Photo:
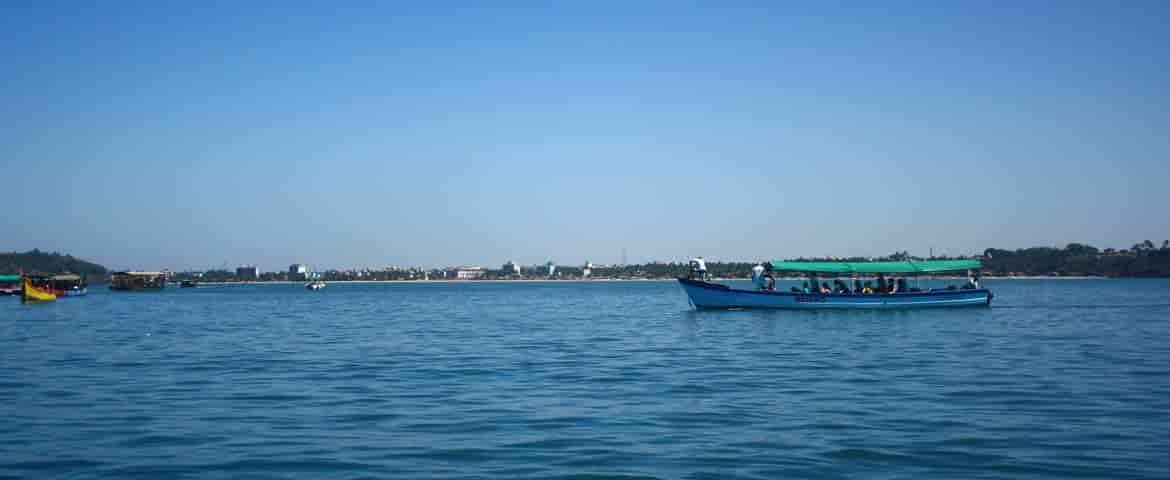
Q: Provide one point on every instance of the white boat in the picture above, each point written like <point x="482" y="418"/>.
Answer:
<point x="315" y="285"/>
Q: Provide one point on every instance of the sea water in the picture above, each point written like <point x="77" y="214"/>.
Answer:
<point x="1058" y="379"/>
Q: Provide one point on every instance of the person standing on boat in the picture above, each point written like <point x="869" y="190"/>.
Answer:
<point x="699" y="268"/>
<point x="758" y="277"/>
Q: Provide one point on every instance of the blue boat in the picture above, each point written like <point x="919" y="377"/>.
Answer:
<point x="856" y="293"/>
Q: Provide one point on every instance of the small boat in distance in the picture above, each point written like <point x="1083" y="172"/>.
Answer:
<point x="138" y="281"/>
<point x="62" y="285"/>
<point x="188" y="284"/>
<point x="857" y="291"/>
<point x="315" y="285"/>
<point x="10" y="284"/>
<point x="33" y="293"/>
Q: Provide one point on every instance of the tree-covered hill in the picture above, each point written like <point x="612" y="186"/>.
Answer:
<point x="1142" y="260"/>
<point x="36" y="261"/>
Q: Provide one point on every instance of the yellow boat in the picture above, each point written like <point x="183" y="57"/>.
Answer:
<point x="34" y="294"/>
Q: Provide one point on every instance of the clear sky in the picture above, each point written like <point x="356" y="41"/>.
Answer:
<point x="205" y="134"/>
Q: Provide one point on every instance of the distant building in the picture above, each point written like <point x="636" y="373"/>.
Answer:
<point x="248" y="272"/>
<point x="298" y="271"/>
<point x="510" y="268"/>
<point x="588" y="270"/>
<point x="469" y="273"/>
<point x="552" y="268"/>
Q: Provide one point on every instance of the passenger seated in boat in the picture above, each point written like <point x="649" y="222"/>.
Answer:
<point x="868" y="290"/>
<point x="825" y="288"/>
<point x="902" y="285"/>
<point x="856" y="285"/>
<point x="893" y="286"/>
<point x="972" y="282"/>
<point x="804" y="288"/>
<point x="881" y="283"/>
<point x="840" y="287"/>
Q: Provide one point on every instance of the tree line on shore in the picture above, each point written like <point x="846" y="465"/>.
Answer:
<point x="1144" y="259"/>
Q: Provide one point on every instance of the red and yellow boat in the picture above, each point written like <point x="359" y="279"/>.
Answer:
<point x="32" y="293"/>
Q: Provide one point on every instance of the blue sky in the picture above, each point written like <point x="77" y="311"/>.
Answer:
<point x="202" y="134"/>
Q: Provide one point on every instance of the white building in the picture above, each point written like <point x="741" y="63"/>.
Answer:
<point x="588" y="270"/>
<point x="469" y="273"/>
<point x="552" y="268"/>
<point x="510" y="268"/>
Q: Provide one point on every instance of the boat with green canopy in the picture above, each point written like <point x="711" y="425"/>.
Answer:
<point x="843" y="285"/>
<point x="10" y="284"/>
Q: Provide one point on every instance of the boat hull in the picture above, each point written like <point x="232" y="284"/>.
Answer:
<point x="34" y="294"/>
<point x="706" y="295"/>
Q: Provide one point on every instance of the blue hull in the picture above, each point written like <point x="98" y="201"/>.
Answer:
<point x="713" y="295"/>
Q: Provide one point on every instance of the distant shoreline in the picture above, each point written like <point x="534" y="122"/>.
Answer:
<point x="449" y="280"/>
<point x="594" y="280"/>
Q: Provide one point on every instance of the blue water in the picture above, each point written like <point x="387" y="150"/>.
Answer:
<point x="1058" y="379"/>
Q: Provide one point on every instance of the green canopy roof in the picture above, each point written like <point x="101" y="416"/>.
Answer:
<point x="9" y="278"/>
<point x="909" y="266"/>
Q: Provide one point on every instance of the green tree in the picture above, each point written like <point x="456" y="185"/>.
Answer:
<point x="1080" y="249"/>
